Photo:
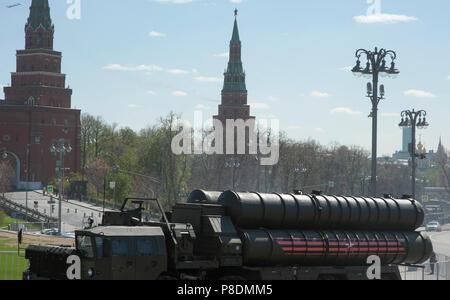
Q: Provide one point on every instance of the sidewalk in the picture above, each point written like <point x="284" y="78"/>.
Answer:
<point x="79" y="203"/>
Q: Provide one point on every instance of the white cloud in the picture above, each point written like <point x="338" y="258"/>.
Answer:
<point x="390" y="115"/>
<point x="133" y="106"/>
<point x="419" y="94"/>
<point x="118" y="67"/>
<point x="320" y="130"/>
<point x="257" y="105"/>
<point x="225" y="54"/>
<point x="202" y="107"/>
<point x="175" y="1"/>
<point x="156" y="34"/>
<point x="448" y="77"/>
<point x="319" y="94"/>
<point x="178" y="72"/>
<point x="179" y="94"/>
<point x="273" y="99"/>
<point x="384" y="19"/>
<point x="344" y="110"/>
<point x="236" y="1"/>
<point x="208" y="79"/>
<point x="151" y="93"/>
<point x="348" y="68"/>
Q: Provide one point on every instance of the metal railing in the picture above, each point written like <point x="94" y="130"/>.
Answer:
<point x="12" y="265"/>
<point x="33" y="227"/>
<point x="32" y="213"/>
<point x="439" y="270"/>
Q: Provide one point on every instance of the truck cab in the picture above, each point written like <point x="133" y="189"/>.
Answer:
<point x="122" y="253"/>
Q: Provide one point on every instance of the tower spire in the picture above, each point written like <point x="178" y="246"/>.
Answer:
<point x="39" y="15"/>
<point x="235" y="38"/>
<point x="234" y="93"/>
<point x="39" y="28"/>
<point x="235" y="76"/>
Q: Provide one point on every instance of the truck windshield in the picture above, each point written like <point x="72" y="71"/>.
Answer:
<point x="145" y="247"/>
<point x="84" y="245"/>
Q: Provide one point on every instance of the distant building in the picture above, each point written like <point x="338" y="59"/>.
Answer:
<point x="234" y="93"/>
<point x="36" y="112"/>
<point x="234" y="105"/>
<point x="404" y="156"/>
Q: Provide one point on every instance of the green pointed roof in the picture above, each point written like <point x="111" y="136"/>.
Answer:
<point x="235" y="38"/>
<point x="235" y="75"/>
<point x="39" y="15"/>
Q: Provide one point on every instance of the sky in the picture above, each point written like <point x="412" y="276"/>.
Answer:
<point x="132" y="62"/>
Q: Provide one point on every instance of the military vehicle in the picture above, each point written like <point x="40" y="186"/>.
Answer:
<point x="245" y="236"/>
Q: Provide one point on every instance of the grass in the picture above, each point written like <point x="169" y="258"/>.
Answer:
<point x="11" y="265"/>
<point x="6" y="220"/>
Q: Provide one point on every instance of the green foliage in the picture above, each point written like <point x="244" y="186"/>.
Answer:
<point x="148" y="152"/>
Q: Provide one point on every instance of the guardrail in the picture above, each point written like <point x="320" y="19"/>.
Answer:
<point x="12" y="265"/>
<point x="439" y="270"/>
<point x="32" y="213"/>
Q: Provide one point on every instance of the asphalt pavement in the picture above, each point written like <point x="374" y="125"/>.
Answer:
<point x="74" y="213"/>
<point x="441" y="242"/>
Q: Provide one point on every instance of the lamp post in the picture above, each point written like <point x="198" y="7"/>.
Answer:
<point x="414" y="119"/>
<point x="233" y="164"/>
<point x="375" y="66"/>
<point x="300" y="170"/>
<point x="27" y="171"/>
<point x="62" y="150"/>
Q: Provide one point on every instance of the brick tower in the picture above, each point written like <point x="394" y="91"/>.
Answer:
<point x="234" y="94"/>
<point x="38" y="79"/>
<point x="36" y="112"/>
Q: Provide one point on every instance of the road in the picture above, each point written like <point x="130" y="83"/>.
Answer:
<point x="441" y="242"/>
<point x="73" y="212"/>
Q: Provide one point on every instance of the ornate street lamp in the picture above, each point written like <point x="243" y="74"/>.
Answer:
<point x="375" y="66"/>
<point x="62" y="150"/>
<point x="414" y="119"/>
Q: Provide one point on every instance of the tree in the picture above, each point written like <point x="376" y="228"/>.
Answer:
<point x="96" y="172"/>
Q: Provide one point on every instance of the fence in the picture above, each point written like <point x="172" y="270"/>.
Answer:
<point x="12" y="265"/>
<point x="428" y="271"/>
<point x="32" y="214"/>
<point x="30" y="226"/>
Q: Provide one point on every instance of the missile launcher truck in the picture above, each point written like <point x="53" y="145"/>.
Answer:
<point x="245" y="236"/>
